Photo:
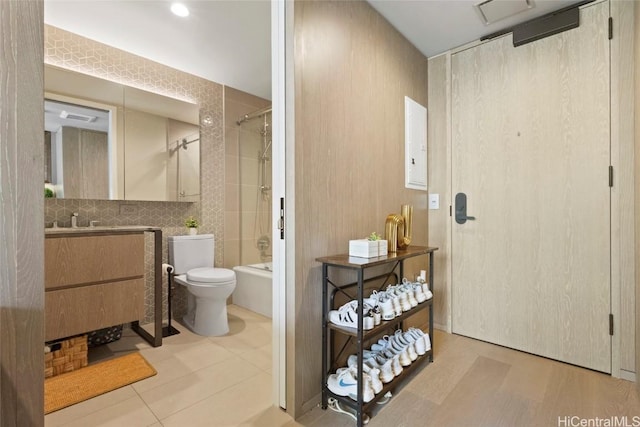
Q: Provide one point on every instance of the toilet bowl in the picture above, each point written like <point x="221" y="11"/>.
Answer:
<point x="208" y="290"/>
<point x="207" y="287"/>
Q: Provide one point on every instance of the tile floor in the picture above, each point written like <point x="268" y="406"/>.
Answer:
<point x="216" y="381"/>
<point x="226" y="381"/>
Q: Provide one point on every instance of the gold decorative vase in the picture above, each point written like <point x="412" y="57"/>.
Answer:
<point x="397" y="229"/>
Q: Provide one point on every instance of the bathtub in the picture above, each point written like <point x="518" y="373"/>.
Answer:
<point x="254" y="287"/>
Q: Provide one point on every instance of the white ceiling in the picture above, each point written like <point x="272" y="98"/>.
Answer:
<point x="229" y="41"/>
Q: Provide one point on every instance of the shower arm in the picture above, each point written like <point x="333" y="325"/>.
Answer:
<point x="253" y="115"/>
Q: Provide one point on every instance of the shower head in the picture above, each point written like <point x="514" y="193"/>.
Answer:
<point x="184" y="143"/>
<point x="242" y="119"/>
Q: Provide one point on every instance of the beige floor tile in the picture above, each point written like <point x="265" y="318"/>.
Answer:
<point x="243" y="337"/>
<point x="82" y="409"/>
<point x="259" y="357"/>
<point x="185" y="391"/>
<point x="247" y="314"/>
<point x="185" y="337"/>
<point x="272" y="417"/>
<point x="202" y="355"/>
<point x="229" y="407"/>
<point x="168" y="370"/>
<point x="131" y="413"/>
<point x="157" y="354"/>
<point x="317" y="417"/>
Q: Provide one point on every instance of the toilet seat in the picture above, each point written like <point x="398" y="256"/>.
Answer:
<point x="211" y="276"/>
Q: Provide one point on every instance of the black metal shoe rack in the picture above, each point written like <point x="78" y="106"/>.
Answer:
<point x="394" y="264"/>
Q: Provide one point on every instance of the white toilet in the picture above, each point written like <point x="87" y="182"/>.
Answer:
<point x="208" y="287"/>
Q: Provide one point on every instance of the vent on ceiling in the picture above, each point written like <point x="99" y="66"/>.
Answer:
<point x="77" y="116"/>
<point x="491" y="11"/>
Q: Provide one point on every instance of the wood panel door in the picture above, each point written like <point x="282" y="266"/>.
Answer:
<point x="531" y="150"/>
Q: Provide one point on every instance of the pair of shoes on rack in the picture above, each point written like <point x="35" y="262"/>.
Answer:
<point x="345" y="383"/>
<point x="418" y="289"/>
<point x="421" y="341"/>
<point x="408" y="345"/>
<point x="334" y="405"/>
<point x="386" y="304"/>
<point x="347" y="315"/>
<point x="386" y="362"/>
<point x="425" y="288"/>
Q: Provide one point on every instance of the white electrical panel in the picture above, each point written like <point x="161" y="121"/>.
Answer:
<point x="415" y="145"/>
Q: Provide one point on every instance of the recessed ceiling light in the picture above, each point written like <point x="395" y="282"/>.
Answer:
<point x="179" y="9"/>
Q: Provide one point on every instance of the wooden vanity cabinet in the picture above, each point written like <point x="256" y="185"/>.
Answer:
<point x="92" y="281"/>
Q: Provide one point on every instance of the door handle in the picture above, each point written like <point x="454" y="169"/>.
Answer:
<point x="461" y="209"/>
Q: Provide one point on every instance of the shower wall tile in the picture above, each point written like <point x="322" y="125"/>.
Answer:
<point x="243" y="144"/>
<point x="249" y="170"/>
<point x="74" y="52"/>
<point x="232" y="253"/>
<point x="232" y="199"/>
<point x="231" y="140"/>
<point x="231" y="169"/>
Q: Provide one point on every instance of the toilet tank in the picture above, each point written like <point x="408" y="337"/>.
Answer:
<point x="187" y="252"/>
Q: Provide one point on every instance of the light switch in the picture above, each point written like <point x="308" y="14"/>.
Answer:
<point x="434" y="201"/>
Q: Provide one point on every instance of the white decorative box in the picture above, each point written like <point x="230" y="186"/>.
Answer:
<point x="364" y="248"/>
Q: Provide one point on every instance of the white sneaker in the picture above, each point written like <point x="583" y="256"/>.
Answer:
<point x="396" y="366"/>
<point x="421" y="336"/>
<point x="401" y="296"/>
<point x="427" y="342"/>
<point x="348" y="316"/>
<point x="418" y="341"/>
<point x="400" y="341"/>
<point x="408" y="289"/>
<point x="387" y="308"/>
<point x="374" y="303"/>
<point x="426" y="291"/>
<point x="417" y="290"/>
<point x="374" y="374"/>
<point x="385" y="372"/>
<point x="387" y="348"/>
<point x="345" y="384"/>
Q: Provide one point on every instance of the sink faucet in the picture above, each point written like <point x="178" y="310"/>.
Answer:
<point x="93" y="223"/>
<point x="74" y="220"/>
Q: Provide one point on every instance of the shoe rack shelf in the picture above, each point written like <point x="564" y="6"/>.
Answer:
<point x="384" y="325"/>
<point x="393" y="263"/>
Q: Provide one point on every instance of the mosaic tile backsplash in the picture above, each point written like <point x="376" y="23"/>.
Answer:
<point x="71" y="51"/>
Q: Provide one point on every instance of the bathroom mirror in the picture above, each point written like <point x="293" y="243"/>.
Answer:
<point x="104" y="140"/>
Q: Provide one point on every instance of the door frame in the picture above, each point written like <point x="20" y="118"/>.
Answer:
<point x="279" y="305"/>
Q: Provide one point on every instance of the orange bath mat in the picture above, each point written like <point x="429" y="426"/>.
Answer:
<point x="77" y="386"/>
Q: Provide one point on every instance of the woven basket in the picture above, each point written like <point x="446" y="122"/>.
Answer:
<point x="67" y="356"/>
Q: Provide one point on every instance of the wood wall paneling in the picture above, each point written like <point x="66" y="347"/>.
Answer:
<point x="352" y="72"/>
<point x="95" y="164"/>
<point x="440" y="183"/>
<point x="21" y="210"/>
<point x="636" y="91"/>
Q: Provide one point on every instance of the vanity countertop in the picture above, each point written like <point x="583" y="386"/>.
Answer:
<point x="102" y="229"/>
